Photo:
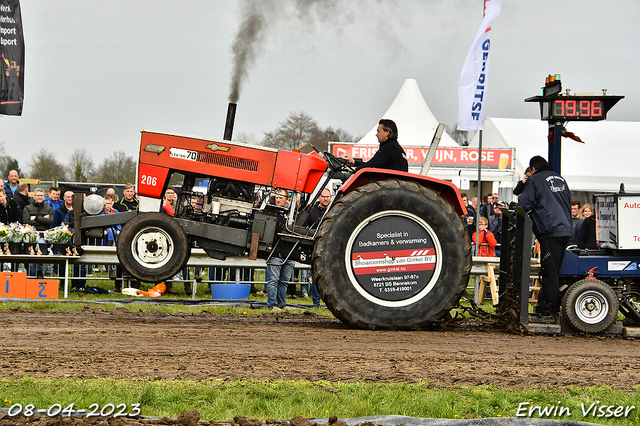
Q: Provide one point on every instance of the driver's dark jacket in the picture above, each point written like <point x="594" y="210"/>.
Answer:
<point x="547" y="199"/>
<point x="390" y="155"/>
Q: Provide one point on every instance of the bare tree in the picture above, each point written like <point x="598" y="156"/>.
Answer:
<point x="298" y="130"/>
<point x="118" y="168"/>
<point x="44" y="166"/>
<point x="80" y="167"/>
<point x="339" y="135"/>
<point x="249" y="138"/>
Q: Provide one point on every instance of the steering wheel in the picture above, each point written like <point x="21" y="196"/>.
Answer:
<point x="338" y="163"/>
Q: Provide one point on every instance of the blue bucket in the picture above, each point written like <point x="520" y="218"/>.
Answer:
<point x="230" y="291"/>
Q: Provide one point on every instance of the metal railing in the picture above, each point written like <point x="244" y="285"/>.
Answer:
<point x="104" y="258"/>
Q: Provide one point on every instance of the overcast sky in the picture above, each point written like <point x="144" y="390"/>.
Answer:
<point x="97" y="72"/>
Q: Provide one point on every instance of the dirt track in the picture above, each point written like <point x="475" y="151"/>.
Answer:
<point x="96" y="343"/>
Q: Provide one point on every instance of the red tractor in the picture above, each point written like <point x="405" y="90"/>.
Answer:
<point x="390" y="253"/>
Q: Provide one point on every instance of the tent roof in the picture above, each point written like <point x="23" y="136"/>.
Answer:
<point x="416" y="123"/>
<point x="608" y="156"/>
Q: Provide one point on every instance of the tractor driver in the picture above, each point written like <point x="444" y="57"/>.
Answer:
<point x="390" y="155"/>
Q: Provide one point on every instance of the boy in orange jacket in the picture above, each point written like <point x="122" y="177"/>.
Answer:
<point x="487" y="240"/>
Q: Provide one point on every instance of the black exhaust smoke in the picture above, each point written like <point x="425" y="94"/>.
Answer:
<point x="231" y="118"/>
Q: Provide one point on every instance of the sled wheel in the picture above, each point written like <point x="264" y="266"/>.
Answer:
<point x="153" y="247"/>
<point x="590" y="306"/>
<point x="391" y="254"/>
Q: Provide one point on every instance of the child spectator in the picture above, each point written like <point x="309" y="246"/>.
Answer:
<point x="110" y="232"/>
<point x="487" y="240"/>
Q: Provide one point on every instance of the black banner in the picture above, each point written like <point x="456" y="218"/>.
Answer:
<point x="11" y="58"/>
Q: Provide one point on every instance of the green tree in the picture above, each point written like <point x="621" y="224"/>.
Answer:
<point x="11" y="164"/>
<point x="118" y="168"/>
<point x="44" y="166"/>
<point x="80" y="167"/>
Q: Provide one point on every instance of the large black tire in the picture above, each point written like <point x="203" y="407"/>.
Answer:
<point x="590" y="306"/>
<point x="392" y="255"/>
<point x="153" y="247"/>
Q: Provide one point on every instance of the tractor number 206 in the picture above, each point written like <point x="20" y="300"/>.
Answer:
<point x="148" y="180"/>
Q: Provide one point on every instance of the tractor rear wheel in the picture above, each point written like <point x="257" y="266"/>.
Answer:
<point x="590" y="306"/>
<point x="153" y="247"/>
<point x="391" y="254"/>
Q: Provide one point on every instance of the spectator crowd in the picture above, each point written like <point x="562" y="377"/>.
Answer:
<point x="52" y="210"/>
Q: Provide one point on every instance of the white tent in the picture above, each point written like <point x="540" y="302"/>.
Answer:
<point x="416" y="123"/>
<point x="607" y="158"/>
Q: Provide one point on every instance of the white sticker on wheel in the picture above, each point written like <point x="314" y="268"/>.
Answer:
<point x="393" y="257"/>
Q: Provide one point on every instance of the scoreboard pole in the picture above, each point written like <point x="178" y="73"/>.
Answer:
<point x="555" y="146"/>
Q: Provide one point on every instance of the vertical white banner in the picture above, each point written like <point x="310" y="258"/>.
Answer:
<point x="472" y="89"/>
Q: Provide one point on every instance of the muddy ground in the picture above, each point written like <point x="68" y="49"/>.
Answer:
<point x="95" y="342"/>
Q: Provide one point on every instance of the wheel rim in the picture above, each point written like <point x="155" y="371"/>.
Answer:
<point x="152" y="247"/>
<point x="397" y="273"/>
<point x="591" y="307"/>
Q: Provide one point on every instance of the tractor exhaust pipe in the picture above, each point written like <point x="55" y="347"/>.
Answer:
<point x="231" y="118"/>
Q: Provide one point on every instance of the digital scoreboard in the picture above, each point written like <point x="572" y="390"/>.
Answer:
<point x="554" y="106"/>
<point x="574" y="108"/>
<point x="557" y="108"/>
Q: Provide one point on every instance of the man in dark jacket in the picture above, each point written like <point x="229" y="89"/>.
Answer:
<point x="313" y="221"/>
<point x="9" y="210"/>
<point x="495" y="224"/>
<point x="520" y="186"/>
<point x="60" y="213"/>
<point x="21" y="195"/>
<point x="390" y="155"/>
<point x="547" y="199"/>
<point x="318" y="210"/>
<point x="38" y="214"/>
<point x="128" y="202"/>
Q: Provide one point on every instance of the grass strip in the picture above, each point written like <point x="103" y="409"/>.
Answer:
<point x="150" y="307"/>
<point x="222" y="400"/>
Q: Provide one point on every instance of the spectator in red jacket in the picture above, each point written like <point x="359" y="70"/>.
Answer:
<point x="487" y="240"/>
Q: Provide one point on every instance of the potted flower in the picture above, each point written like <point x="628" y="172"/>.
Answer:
<point x="14" y="238"/>
<point x="60" y="237"/>
<point x="29" y="239"/>
<point x="4" y="234"/>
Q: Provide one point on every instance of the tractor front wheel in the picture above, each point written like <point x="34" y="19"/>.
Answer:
<point x="153" y="247"/>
